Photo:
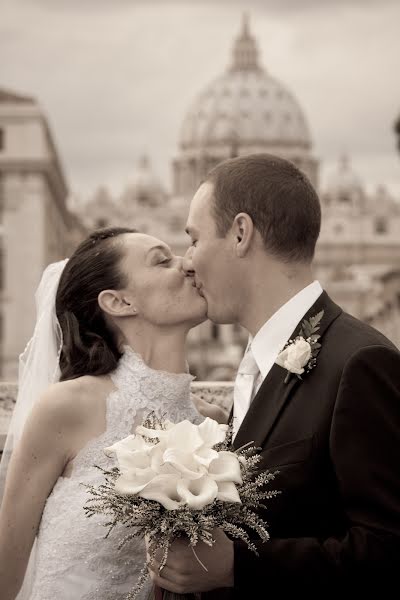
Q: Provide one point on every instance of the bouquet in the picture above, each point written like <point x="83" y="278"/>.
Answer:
<point x="182" y="479"/>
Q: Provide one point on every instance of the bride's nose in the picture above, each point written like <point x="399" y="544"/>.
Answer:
<point x="187" y="264"/>
<point x="179" y="263"/>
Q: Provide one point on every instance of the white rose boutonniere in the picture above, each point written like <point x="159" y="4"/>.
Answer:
<point x="300" y="354"/>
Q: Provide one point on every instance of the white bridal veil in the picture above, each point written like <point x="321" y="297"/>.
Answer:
<point x="38" y="368"/>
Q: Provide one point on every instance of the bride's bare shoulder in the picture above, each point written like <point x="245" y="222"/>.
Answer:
<point x="75" y="399"/>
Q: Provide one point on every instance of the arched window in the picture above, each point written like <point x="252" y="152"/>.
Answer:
<point x="381" y="225"/>
<point x="338" y="228"/>
<point x="1" y="199"/>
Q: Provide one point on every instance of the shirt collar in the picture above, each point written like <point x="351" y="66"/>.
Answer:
<point x="274" y="334"/>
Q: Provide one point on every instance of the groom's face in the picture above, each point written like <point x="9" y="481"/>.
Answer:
<point x="211" y="259"/>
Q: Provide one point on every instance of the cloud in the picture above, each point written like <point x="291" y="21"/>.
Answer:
<point x="116" y="79"/>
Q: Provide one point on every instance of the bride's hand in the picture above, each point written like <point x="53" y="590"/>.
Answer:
<point x="213" y="411"/>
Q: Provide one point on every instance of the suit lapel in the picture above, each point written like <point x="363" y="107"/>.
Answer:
<point x="274" y="393"/>
<point x="265" y="408"/>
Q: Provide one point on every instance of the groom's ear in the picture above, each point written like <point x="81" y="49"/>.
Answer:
<point x="116" y="304"/>
<point x="243" y="231"/>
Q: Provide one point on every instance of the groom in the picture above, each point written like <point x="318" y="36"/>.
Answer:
<point x="332" y="433"/>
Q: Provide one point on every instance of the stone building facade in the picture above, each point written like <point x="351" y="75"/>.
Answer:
<point x="358" y="253"/>
<point x="36" y="226"/>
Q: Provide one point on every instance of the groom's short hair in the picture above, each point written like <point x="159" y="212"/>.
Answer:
<point x="278" y="197"/>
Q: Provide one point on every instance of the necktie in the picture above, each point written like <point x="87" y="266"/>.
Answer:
<point x="243" y="389"/>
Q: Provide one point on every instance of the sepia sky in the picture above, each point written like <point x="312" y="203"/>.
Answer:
<point x="115" y="78"/>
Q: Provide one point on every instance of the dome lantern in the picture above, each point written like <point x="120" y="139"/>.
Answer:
<point x="245" y="51"/>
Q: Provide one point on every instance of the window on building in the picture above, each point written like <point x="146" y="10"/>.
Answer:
<point x="2" y="259"/>
<point x="214" y="331"/>
<point x="1" y="350"/>
<point x="144" y="197"/>
<point x="1" y="199"/>
<point x="381" y="225"/>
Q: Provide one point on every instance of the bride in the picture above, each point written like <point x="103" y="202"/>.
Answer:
<point x="111" y="331"/>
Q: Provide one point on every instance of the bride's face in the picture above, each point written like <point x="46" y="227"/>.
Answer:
<point x="161" y="292"/>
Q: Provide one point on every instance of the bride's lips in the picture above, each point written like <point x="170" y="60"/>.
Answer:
<point x="198" y="288"/>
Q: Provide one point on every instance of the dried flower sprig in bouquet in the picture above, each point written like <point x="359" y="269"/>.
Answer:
<point x="182" y="479"/>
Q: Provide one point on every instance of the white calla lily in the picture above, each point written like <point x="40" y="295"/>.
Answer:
<point x="150" y="433"/>
<point x="185" y="436"/>
<point x="131" y="452"/>
<point x="228" y="492"/>
<point x="133" y="482"/>
<point x="212" y="432"/>
<point x="131" y="443"/>
<point x="128" y="461"/>
<point x="225" y="468"/>
<point x="163" y="489"/>
<point x="205" y="455"/>
<point x="197" y="493"/>
<point x="158" y="463"/>
<point x="183" y="462"/>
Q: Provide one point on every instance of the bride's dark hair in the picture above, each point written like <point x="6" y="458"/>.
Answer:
<point x="89" y="345"/>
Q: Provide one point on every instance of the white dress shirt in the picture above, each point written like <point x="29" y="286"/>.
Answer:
<point x="274" y="334"/>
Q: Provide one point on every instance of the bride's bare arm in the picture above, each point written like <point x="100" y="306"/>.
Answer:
<point x="37" y="462"/>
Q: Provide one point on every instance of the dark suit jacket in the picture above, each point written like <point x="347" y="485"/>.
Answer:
<point x="334" y="437"/>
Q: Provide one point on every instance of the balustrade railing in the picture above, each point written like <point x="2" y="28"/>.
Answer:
<point x="218" y="392"/>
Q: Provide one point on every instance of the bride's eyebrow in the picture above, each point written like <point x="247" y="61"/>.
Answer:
<point x="164" y="249"/>
<point x="159" y="247"/>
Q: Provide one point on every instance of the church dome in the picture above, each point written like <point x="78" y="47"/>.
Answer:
<point x="245" y="105"/>
<point x="144" y="186"/>
<point x="344" y="182"/>
<point x="144" y="179"/>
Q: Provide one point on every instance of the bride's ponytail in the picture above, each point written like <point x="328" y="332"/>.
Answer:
<point x="89" y="345"/>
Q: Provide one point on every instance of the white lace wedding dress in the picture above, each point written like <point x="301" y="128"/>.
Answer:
<point x="74" y="561"/>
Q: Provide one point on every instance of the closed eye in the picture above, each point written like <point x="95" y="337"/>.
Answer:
<point x="165" y="262"/>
